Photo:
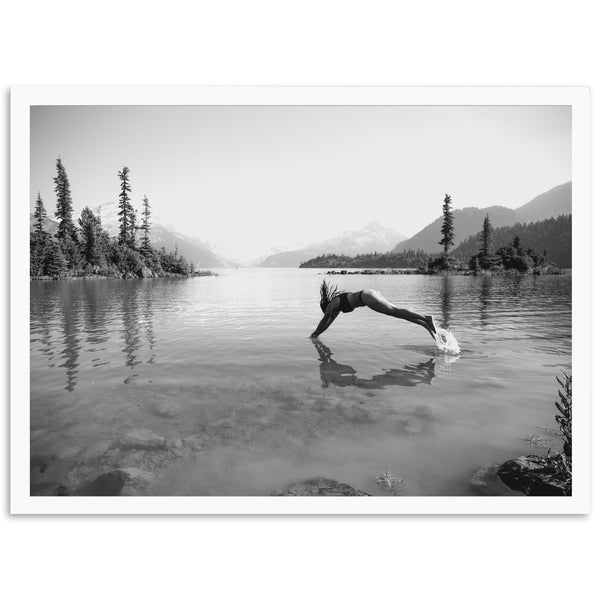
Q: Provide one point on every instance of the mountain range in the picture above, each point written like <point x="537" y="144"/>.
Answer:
<point x="374" y="237"/>
<point x="469" y="221"/>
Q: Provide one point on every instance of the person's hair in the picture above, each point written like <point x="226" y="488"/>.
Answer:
<point x="328" y="293"/>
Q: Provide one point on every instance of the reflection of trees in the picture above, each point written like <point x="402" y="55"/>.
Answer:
<point x="70" y="336"/>
<point x="339" y="375"/>
<point x="95" y="312"/>
<point x="484" y="299"/>
<point x="131" y="327"/>
<point x="447" y="301"/>
<point x="148" y="316"/>
<point x="43" y="306"/>
<point x="514" y="285"/>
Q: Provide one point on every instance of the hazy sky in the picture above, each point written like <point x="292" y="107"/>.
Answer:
<point x="281" y="174"/>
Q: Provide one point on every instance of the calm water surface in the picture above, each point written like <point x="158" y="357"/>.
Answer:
<point x="221" y="369"/>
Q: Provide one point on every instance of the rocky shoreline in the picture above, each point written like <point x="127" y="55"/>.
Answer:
<point x="145" y="275"/>
<point x="463" y="273"/>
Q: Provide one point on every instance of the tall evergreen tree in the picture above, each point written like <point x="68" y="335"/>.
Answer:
<point x="517" y="244"/>
<point x="145" y="227"/>
<point x="67" y="233"/>
<point x="56" y="264"/>
<point x="126" y="213"/>
<point x="89" y="226"/>
<point x="64" y="203"/>
<point x="447" y="226"/>
<point x="38" y="240"/>
<point x="39" y="215"/>
<point x="486" y="237"/>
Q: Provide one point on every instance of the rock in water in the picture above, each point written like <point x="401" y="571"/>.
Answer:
<point x="485" y="482"/>
<point x="136" y="477"/>
<point x="108" y="484"/>
<point x="142" y="438"/>
<point x="319" y="486"/>
<point x="536" y="475"/>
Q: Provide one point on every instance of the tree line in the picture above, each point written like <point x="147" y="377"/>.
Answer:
<point x="84" y="248"/>
<point x="552" y="236"/>
<point x="406" y="259"/>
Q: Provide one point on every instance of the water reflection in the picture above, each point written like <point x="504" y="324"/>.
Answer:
<point x="95" y="314"/>
<point x="131" y="329"/>
<point x="72" y="345"/>
<point x="44" y="310"/>
<point x="73" y="326"/>
<point x="339" y="375"/>
<point x="484" y="299"/>
<point x="447" y="290"/>
<point x="148" y="321"/>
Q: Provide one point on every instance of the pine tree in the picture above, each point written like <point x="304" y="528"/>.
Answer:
<point x="38" y="240"/>
<point x="56" y="264"/>
<point x="89" y="226"/>
<point x="447" y="226"/>
<point x="39" y="215"/>
<point x="64" y="203"/>
<point x="145" y="247"/>
<point x="133" y="218"/>
<point x="486" y="237"/>
<point x="516" y="244"/>
<point x="126" y="213"/>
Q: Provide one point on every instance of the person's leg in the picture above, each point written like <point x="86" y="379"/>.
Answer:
<point x="375" y="301"/>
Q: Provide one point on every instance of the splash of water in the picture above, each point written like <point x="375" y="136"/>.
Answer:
<point x="446" y="342"/>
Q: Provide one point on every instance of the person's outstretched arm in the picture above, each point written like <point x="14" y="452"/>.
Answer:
<point x="329" y="317"/>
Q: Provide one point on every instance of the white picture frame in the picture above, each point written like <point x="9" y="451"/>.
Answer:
<point x="24" y="97"/>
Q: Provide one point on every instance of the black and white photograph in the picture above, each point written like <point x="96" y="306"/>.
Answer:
<point x="272" y="300"/>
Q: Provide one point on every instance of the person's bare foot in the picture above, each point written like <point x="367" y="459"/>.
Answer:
<point x="431" y="327"/>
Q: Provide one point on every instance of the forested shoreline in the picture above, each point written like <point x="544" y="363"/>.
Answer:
<point x="85" y="249"/>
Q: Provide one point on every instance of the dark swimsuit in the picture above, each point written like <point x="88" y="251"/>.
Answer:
<point x="345" y="305"/>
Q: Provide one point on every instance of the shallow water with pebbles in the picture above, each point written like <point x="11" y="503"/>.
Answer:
<point x="211" y="385"/>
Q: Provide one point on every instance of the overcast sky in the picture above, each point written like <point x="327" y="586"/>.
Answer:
<point x="281" y="174"/>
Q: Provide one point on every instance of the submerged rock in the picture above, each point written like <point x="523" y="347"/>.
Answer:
<point x="195" y="442"/>
<point x="136" y="477"/>
<point x="165" y="409"/>
<point x="95" y="451"/>
<point x="108" y="484"/>
<point x="537" y="475"/>
<point x="485" y="482"/>
<point x="319" y="486"/>
<point x="356" y="413"/>
<point x="40" y="461"/>
<point x="68" y="452"/>
<point x="410" y="425"/>
<point x="142" y="438"/>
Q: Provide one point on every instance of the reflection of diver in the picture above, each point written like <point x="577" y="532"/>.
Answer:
<point x="336" y="374"/>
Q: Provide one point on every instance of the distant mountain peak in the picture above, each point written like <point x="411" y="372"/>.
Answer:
<point x="373" y="237"/>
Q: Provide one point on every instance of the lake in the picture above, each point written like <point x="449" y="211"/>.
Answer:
<point x="211" y="385"/>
